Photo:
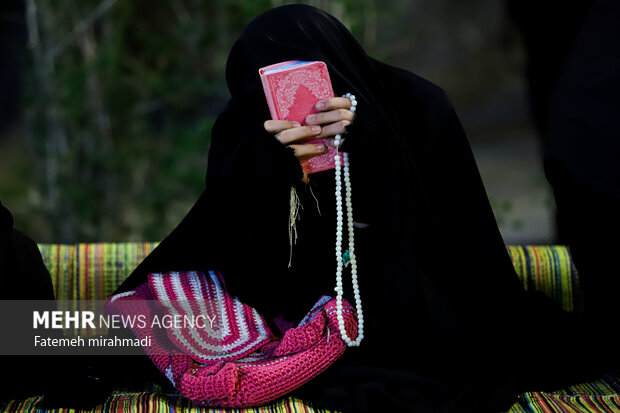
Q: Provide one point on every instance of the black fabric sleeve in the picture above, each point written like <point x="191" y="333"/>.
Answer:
<point x="240" y="222"/>
<point x="241" y="152"/>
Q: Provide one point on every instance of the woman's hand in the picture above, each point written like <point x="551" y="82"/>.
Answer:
<point x="293" y="135"/>
<point x="333" y="118"/>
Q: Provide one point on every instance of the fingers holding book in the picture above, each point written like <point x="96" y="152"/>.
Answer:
<point x="294" y="135"/>
<point x="288" y="132"/>
<point x="334" y="117"/>
<point x="333" y="104"/>
<point x="332" y="110"/>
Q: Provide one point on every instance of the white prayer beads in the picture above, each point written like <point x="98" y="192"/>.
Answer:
<point x="343" y="168"/>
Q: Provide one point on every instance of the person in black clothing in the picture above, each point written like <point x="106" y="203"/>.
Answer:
<point x="24" y="277"/>
<point x="574" y="81"/>
<point x="445" y="313"/>
<point x="64" y="381"/>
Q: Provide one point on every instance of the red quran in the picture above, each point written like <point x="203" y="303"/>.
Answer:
<point x="292" y="88"/>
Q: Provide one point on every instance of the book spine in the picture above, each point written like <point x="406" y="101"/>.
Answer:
<point x="269" y="95"/>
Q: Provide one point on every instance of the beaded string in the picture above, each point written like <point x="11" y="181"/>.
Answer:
<point x="340" y="170"/>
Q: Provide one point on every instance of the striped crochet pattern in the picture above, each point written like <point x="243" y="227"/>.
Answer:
<point x="239" y="329"/>
<point x="241" y="363"/>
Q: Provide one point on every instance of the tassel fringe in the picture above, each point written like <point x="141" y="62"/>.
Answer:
<point x="295" y="206"/>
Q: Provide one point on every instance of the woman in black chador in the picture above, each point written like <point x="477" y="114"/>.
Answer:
<point x="447" y="325"/>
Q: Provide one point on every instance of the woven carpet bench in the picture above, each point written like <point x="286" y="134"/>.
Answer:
<point x="93" y="271"/>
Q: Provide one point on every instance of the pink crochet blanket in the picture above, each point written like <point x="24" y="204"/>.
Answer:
<point x="220" y="352"/>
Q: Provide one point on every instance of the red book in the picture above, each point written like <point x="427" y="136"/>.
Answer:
<point x="292" y="88"/>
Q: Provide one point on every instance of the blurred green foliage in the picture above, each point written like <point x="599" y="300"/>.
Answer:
<point x="120" y="97"/>
<point x="120" y="100"/>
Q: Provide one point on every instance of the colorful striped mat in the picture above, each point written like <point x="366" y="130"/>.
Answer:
<point x="548" y="269"/>
<point x="161" y="403"/>
<point x="93" y="271"/>
<point x="557" y="403"/>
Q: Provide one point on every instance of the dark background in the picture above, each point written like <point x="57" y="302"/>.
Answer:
<point x="106" y="106"/>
